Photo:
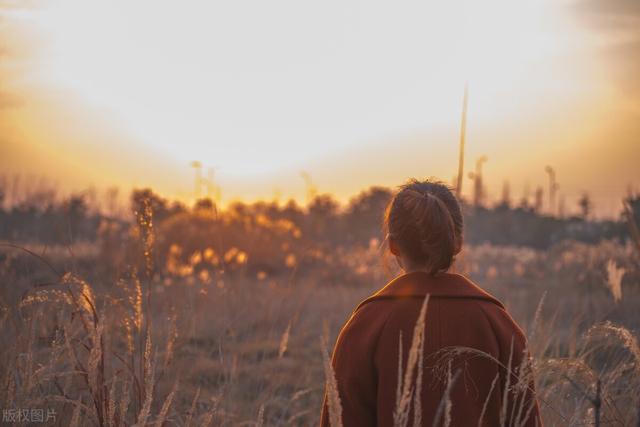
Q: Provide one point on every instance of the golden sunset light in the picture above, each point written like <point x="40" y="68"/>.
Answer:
<point x="337" y="213"/>
<point x="342" y="90"/>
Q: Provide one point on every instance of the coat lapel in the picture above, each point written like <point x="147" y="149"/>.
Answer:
<point x="418" y="284"/>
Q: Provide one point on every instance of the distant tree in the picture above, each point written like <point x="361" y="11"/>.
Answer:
<point x="365" y="212"/>
<point x="292" y="212"/>
<point x="631" y="214"/>
<point x="323" y="205"/>
<point x="371" y="202"/>
<point x="539" y="194"/>
<point x="322" y="216"/>
<point x="561" y="207"/>
<point x="524" y="201"/>
<point x="586" y="205"/>
<point x="76" y="221"/>
<point x="159" y="205"/>
<point x="111" y="200"/>
<point x="205" y="204"/>
<point x="41" y="199"/>
<point x="272" y="209"/>
<point x="505" y="200"/>
<point x="268" y="208"/>
<point x="76" y="207"/>
<point x="238" y="209"/>
<point x="633" y="201"/>
<point x="177" y="208"/>
<point x="91" y="197"/>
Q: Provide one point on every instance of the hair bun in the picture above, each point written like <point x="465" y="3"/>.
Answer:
<point x="425" y="220"/>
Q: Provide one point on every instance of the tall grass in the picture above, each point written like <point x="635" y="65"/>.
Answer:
<point x="241" y="349"/>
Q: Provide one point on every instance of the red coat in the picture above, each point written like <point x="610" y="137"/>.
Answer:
<point x="459" y="313"/>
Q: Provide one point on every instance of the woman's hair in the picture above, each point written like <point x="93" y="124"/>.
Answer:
<point x="424" y="219"/>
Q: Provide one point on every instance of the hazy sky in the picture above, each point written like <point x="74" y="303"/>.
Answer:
<point x="354" y="92"/>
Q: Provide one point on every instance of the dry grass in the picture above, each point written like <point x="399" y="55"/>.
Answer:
<point x="242" y="350"/>
<point x="331" y="386"/>
<point x="614" y="280"/>
<point x="410" y="386"/>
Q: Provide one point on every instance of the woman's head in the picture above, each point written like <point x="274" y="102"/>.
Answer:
<point x="423" y="223"/>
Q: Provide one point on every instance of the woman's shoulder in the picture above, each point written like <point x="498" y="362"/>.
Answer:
<point x="369" y="316"/>
<point x="502" y="321"/>
<point x="362" y="330"/>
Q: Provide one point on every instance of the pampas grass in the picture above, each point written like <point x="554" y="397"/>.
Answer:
<point x="614" y="280"/>
<point x="284" y="341"/>
<point x="166" y="405"/>
<point x="260" y="421"/>
<point x="149" y="373"/>
<point x="331" y="387"/>
<point x="192" y="409"/>
<point x="124" y="401"/>
<point x="486" y="400"/>
<point x="414" y="363"/>
<point x="445" y="405"/>
<point x="107" y="350"/>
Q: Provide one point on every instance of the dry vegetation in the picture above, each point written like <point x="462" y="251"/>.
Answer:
<point x="208" y="339"/>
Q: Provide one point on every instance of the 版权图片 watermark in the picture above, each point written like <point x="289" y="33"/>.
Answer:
<point x="28" y="415"/>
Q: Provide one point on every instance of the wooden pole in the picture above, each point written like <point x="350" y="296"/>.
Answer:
<point x="463" y="134"/>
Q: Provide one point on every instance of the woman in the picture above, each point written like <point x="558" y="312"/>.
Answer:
<point x="473" y="364"/>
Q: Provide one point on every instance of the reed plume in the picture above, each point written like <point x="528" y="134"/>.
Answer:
<point x="284" y="341"/>
<point x="414" y="362"/>
<point x="331" y="386"/>
<point x="614" y="280"/>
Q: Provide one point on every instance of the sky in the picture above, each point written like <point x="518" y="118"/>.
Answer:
<point x="354" y="93"/>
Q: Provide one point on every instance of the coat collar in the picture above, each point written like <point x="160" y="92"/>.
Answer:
<point x="418" y="284"/>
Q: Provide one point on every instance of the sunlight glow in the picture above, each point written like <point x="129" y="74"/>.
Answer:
<point x="257" y="87"/>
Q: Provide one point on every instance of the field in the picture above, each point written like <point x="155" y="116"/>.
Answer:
<point x="195" y="196"/>
<point x="137" y="327"/>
